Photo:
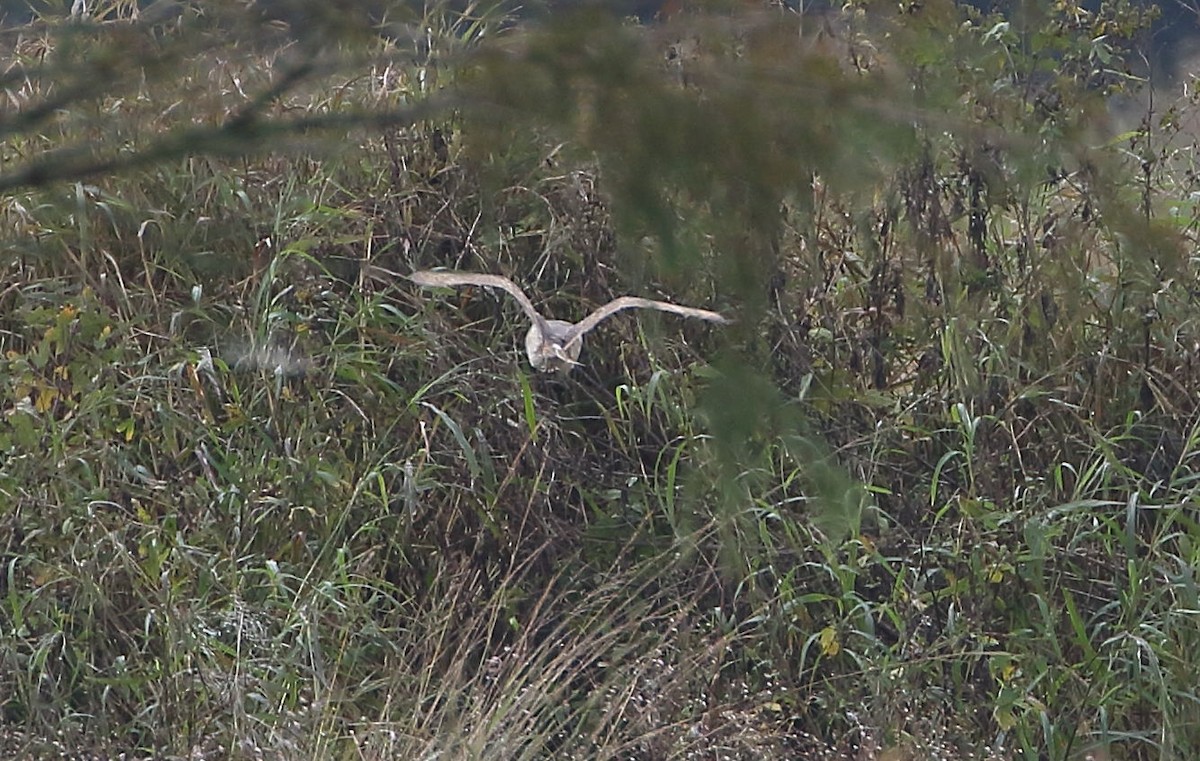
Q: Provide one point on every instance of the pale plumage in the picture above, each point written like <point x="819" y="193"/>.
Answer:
<point x="554" y="345"/>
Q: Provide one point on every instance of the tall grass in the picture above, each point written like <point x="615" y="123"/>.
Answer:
<point x="930" y="496"/>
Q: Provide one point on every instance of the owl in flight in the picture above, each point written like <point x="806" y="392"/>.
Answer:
<point x="554" y="345"/>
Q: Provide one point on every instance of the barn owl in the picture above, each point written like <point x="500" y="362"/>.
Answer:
<point x="554" y="345"/>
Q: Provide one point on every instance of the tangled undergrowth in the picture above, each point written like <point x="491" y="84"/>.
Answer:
<point x="929" y="497"/>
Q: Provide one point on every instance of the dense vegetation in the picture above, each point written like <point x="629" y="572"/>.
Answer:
<point x="931" y="495"/>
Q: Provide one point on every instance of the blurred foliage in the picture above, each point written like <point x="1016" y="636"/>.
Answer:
<point x="932" y="494"/>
